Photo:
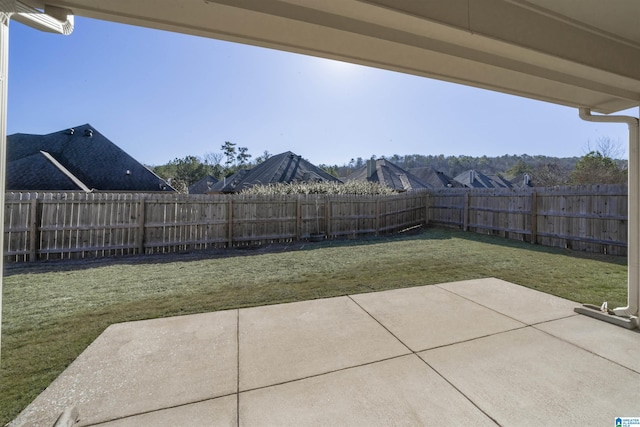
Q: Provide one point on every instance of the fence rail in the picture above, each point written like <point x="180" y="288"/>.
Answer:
<point x="42" y="226"/>
<point x="587" y="218"/>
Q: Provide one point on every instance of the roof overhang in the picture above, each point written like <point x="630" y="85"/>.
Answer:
<point x="580" y="53"/>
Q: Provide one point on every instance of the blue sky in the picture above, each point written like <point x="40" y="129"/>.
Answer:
<point x="161" y="95"/>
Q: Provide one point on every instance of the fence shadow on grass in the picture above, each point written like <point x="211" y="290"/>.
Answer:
<point x="517" y="244"/>
<point x="416" y="233"/>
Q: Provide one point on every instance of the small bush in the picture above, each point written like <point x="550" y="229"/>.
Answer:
<point x="351" y="187"/>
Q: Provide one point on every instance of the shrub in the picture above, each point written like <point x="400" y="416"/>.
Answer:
<point x="351" y="187"/>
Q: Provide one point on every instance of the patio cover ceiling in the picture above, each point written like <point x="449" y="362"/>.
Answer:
<point x="580" y="53"/>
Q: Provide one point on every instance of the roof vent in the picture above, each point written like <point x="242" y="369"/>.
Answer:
<point x="128" y="172"/>
<point x="88" y="132"/>
<point x="71" y="131"/>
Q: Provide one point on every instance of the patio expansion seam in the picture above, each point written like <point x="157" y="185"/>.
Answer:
<point x="152" y="411"/>
<point x="459" y="391"/>
<point x="504" y="314"/>
<point x="326" y="373"/>
<point x="533" y="325"/>
<point x="415" y="353"/>
<point x="582" y="348"/>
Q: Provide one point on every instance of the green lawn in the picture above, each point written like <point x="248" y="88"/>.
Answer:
<point x="52" y="311"/>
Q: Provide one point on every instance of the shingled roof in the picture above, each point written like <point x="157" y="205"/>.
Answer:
<point x="475" y="179"/>
<point x="435" y="178"/>
<point x="388" y="174"/>
<point x="203" y="186"/>
<point x="285" y="167"/>
<point x="79" y="158"/>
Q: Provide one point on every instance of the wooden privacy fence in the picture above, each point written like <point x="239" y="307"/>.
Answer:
<point x="42" y="226"/>
<point x="78" y="225"/>
<point x="587" y="218"/>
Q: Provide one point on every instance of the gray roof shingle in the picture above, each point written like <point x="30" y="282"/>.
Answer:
<point x="203" y="186"/>
<point x="85" y="153"/>
<point x="389" y="174"/>
<point x="285" y="167"/>
<point x="475" y="179"/>
<point x="435" y="178"/>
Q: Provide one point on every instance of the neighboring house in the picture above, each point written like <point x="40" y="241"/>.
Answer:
<point x="79" y="158"/>
<point x="282" y="168"/>
<point x="522" y="181"/>
<point x="475" y="179"/>
<point x="203" y="186"/>
<point x="388" y="174"/>
<point x="435" y="178"/>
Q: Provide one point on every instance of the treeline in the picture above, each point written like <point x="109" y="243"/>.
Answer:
<point x="180" y="173"/>
<point x="545" y="171"/>
<point x="454" y="165"/>
<point x="601" y="165"/>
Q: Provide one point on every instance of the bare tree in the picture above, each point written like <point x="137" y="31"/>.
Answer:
<point x="213" y="159"/>
<point x="604" y="145"/>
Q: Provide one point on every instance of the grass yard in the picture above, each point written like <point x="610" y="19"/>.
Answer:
<point x="53" y="311"/>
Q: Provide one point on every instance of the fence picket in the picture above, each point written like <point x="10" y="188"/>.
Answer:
<point x="77" y="225"/>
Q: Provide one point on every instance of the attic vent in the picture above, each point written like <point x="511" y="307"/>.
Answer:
<point x="88" y="132"/>
<point x="71" y="131"/>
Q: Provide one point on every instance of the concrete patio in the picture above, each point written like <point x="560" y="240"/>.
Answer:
<point x="479" y="352"/>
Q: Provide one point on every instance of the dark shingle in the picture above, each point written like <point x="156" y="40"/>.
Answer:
<point x="203" y="186"/>
<point x="475" y="179"/>
<point x="435" y="178"/>
<point x="282" y="168"/>
<point x="387" y="173"/>
<point x="85" y="153"/>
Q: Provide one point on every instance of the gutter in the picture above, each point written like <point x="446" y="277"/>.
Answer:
<point x="629" y="314"/>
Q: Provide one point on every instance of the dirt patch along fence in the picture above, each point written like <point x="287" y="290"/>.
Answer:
<point x="586" y="218"/>
<point x="43" y="226"/>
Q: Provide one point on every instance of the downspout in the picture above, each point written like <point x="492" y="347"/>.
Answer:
<point x="633" y="210"/>
<point x="55" y="20"/>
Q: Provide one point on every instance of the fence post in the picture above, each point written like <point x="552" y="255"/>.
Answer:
<point x="465" y="211"/>
<point x="534" y="217"/>
<point x="230" y="221"/>
<point x="33" y="230"/>
<point x="327" y="215"/>
<point x="378" y="215"/>
<point x="298" y="218"/>
<point x="426" y="208"/>
<point x="141" y="221"/>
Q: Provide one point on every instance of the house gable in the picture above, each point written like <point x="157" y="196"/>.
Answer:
<point x="80" y="152"/>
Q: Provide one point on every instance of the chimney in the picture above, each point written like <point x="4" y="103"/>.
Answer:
<point x="371" y="168"/>
<point x="527" y="180"/>
<point x="472" y="176"/>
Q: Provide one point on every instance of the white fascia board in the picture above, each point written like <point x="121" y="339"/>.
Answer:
<point x="53" y="19"/>
<point x="531" y="55"/>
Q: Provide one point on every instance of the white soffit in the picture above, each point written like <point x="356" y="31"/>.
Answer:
<point x="581" y="53"/>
